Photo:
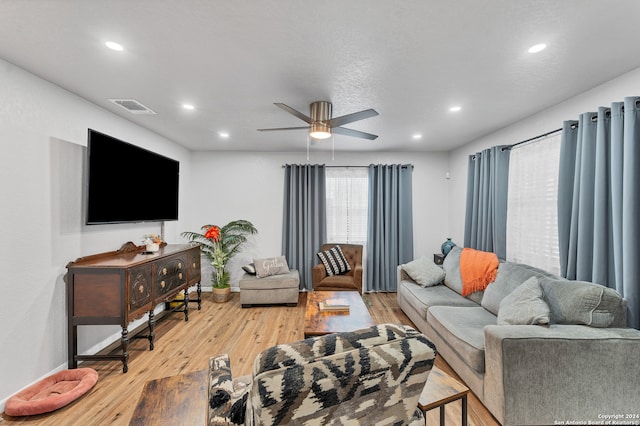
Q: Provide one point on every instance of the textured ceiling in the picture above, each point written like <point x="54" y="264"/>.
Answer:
<point x="409" y="60"/>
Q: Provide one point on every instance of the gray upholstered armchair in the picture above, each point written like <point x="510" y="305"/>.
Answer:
<point x="369" y="376"/>
<point x="351" y="281"/>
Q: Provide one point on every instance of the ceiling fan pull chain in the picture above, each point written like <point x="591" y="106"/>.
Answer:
<point x="333" y="148"/>
<point x="308" y="137"/>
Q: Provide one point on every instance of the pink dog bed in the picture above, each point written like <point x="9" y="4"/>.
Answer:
<point x="52" y="392"/>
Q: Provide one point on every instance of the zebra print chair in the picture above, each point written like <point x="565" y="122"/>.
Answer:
<point x="369" y="376"/>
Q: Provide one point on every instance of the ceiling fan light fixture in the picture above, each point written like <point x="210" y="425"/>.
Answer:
<point x="320" y="131"/>
<point x="320" y="112"/>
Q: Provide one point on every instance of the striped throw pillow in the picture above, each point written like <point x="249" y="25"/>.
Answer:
<point x="334" y="261"/>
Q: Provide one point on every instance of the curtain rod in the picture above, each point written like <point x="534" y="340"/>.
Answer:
<point x="354" y="167"/>
<point x="531" y="139"/>
<point x="342" y="167"/>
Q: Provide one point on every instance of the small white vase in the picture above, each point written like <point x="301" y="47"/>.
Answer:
<point x="153" y="247"/>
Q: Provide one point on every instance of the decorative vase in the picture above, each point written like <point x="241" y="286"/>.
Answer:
<point x="221" y="295"/>
<point x="447" y="246"/>
<point x="153" y="247"/>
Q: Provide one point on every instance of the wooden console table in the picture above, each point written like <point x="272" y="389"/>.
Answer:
<point x="119" y="286"/>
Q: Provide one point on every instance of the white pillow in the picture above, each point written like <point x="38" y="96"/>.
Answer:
<point x="424" y="272"/>
<point x="524" y="306"/>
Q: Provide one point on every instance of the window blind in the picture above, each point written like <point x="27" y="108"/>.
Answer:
<point x="532" y="215"/>
<point x="347" y="202"/>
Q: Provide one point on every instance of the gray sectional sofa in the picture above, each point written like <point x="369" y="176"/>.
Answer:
<point x="577" y="363"/>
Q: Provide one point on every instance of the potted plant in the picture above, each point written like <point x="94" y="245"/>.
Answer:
<point x="219" y="245"/>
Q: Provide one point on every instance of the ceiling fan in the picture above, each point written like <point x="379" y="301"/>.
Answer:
<point x="322" y="125"/>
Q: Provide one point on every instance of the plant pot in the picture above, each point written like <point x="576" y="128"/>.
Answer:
<point x="221" y="295"/>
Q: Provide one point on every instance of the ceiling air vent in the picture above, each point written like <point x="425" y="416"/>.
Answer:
<point x="133" y="106"/>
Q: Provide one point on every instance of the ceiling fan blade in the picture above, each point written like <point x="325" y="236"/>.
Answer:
<point x="354" y="133"/>
<point x="292" y="111"/>
<point x="284" y="128"/>
<point x="350" y="118"/>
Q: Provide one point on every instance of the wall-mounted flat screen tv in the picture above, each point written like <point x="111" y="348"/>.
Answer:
<point x="127" y="183"/>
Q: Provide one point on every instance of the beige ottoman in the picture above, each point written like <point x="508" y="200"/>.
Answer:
<point x="274" y="289"/>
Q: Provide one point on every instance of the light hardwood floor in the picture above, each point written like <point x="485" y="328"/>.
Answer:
<point x="183" y="347"/>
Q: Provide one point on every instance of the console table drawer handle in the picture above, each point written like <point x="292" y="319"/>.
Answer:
<point x="180" y="275"/>
<point x="164" y="271"/>
<point x="180" y="265"/>
<point x="162" y="284"/>
<point x="141" y="289"/>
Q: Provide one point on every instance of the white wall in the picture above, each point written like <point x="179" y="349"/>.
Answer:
<point x="238" y="185"/>
<point x="43" y="130"/>
<point x="43" y="133"/>
<point x="540" y="123"/>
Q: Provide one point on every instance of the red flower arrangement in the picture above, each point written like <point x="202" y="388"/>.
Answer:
<point x="213" y="233"/>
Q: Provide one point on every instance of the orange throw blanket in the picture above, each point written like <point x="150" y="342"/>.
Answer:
<point x="477" y="270"/>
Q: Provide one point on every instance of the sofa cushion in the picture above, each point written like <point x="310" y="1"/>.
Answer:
<point x="452" y="278"/>
<point x="510" y="275"/>
<point x="422" y="298"/>
<point x="463" y="329"/>
<point x="581" y="302"/>
<point x="423" y="271"/>
<point x="524" y="305"/>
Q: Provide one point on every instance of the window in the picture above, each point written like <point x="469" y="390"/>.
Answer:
<point x="347" y="202"/>
<point x="532" y="208"/>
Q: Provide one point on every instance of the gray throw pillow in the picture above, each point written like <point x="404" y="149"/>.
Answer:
<point x="271" y="266"/>
<point x="510" y="276"/>
<point x="452" y="278"/>
<point x="451" y="266"/>
<point x="524" y="306"/>
<point x="424" y="272"/>
<point x="581" y="302"/>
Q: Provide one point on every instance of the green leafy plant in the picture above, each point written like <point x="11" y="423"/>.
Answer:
<point x="220" y="244"/>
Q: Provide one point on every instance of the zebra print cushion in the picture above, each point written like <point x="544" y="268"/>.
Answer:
<point x="334" y="261"/>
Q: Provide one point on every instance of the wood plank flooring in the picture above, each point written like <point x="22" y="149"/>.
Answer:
<point x="185" y="347"/>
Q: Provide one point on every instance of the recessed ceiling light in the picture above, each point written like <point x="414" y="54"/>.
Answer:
<point x="455" y="108"/>
<point x="188" y="106"/>
<point x="417" y="136"/>
<point x="537" y="48"/>
<point x="223" y="135"/>
<point x="114" y="46"/>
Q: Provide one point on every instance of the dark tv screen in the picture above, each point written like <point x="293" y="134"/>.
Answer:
<point x="127" y="183"/>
